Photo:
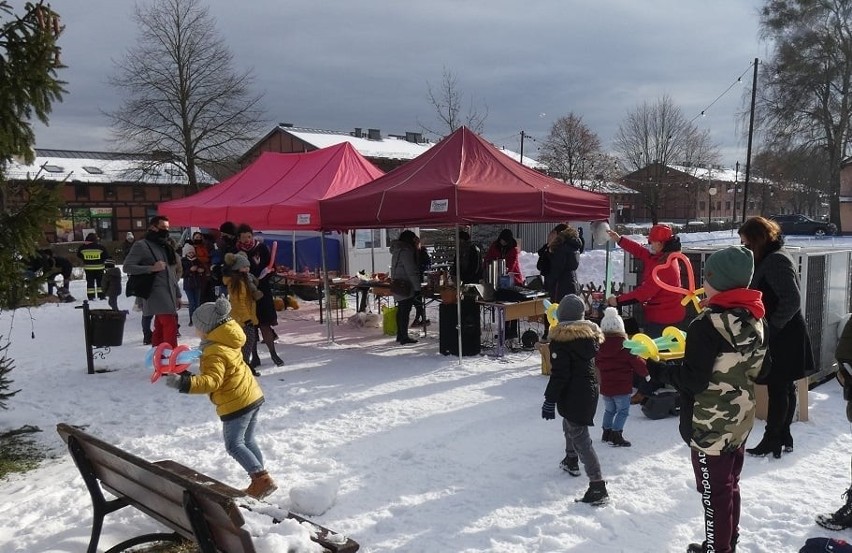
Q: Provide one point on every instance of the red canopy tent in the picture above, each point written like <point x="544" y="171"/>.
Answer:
<point x="277" y="191"/>
<point x="461" y="180"/>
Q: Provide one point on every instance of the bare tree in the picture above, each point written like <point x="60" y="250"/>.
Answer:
<point x="804" y="92"/>
<point x="184" y="100"/>
<point x="659" y="135"/>
<point x="447" y="100"/>
<point x="571" y="149"/>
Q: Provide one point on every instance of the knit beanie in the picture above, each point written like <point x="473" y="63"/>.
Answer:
<point x="212" y="314"/>
<point x="188" y="249"/>
<point x="612" y="323"/>
<point x="571" y="309"/>
<point x="237" y="261"/>
<point x="729" y="268"/>
<point x="129" y="237"/>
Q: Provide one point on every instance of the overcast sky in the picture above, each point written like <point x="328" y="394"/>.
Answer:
<point x="341" y="64"/>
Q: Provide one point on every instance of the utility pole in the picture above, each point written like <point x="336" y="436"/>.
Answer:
<point x="750" y="135"/>
<point x="522" y="147"/>
<point x="736" y="185"/>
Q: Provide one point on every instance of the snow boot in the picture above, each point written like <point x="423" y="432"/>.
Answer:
<point x="261" y="485"/>
<point x="596" y="494"/>
<point x="571" y="465"/>
<point x="840" y="519"/>
<point x="274" y="355"/>
<point x="768" y="444"/>
<point x="617" y="439"/>
<point x="607" y="435"/>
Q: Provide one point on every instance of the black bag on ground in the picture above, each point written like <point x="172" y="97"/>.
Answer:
<point x="663" y="403"/>
<point x="821" y="545"/>
<point x="140" y="285"/>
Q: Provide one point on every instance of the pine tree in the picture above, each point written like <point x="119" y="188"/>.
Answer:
<point x="29" y="61"/>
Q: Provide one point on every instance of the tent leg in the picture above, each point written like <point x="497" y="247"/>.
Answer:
<point x="326" y="290"/>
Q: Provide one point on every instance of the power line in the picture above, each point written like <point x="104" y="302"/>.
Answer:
<point x="719" y="97"/>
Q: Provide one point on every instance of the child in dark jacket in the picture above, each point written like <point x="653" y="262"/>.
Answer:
<point x="725" y="349"/>
<point x="573" y="389"/>
<point x="112" y="283"/>
<point x="616" y="366"/>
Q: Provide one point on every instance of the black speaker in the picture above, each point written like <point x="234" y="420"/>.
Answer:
<point x="448" y="339"/>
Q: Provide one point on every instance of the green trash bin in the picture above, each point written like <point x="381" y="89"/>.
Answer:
<point x="106" y="327"/>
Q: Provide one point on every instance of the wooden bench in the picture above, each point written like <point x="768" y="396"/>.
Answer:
<point x="196" y="507"/>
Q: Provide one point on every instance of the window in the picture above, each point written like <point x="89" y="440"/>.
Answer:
<point x="727" y="206"/>
<point x="53" y="168"/>
<point x="81" y="191"/>
<point x="92" y="170"/>
<point x="701" y="206"/>
<point x="109" y="191"/>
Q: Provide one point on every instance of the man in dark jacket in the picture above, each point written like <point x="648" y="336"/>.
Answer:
<point x="470" y="260"/>
<point x="93" y="255"/>
<point x="154" y="254"/>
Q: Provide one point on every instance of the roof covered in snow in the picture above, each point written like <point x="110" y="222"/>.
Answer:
<point x="101" y="167"/>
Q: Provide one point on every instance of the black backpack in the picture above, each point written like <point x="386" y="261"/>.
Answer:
<point x="663" y="403"/>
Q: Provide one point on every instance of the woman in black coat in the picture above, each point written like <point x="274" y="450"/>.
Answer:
<point x="790" y="351"/>
<point x="561" y="278"/>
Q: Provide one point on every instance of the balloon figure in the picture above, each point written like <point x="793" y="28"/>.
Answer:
<point x="550" y="311"/>
<point x="165" y="360"/>
<point x="670" y="345"/>
<point x="690" y="294"/>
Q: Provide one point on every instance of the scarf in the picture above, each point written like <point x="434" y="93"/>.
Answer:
<point x="750" y="300"/>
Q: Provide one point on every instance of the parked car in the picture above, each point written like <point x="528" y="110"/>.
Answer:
<point x="801" y="224"/>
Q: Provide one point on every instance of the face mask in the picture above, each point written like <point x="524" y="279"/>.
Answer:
<point x="163" y="233"/>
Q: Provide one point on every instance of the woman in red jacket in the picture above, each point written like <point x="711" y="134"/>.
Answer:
<point x="661" y="308"/>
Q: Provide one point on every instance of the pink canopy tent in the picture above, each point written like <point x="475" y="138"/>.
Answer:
<point x="461" y="180"/>
<point x="277" y="191"/>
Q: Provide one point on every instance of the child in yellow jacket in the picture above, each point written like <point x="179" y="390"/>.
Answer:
<point x="226" y="378"/>
<point x="243" y="293"/>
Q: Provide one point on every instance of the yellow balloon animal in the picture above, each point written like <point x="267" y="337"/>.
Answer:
<point x="670" y="345"/>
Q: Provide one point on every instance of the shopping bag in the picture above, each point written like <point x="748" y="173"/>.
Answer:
<point x="389" y="320"/>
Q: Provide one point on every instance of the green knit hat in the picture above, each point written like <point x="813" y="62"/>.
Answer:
<point x="730" y="268"/>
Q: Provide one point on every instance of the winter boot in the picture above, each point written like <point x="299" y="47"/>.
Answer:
<point x="607" y="435"/>
<point x="571" y="465"/>
<point x="274" y="356"/>
<point x="702" y="547"/>
<point x="787" y="441"/>
<point x="261" y="485"/>
<point x="768" y="444"/>
<point x="595" y="495"/>
<point x="617" y="439"/>
<point x="842" y="518"/>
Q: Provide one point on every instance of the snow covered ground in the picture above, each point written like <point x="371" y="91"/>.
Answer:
<point x="400" y="448"/>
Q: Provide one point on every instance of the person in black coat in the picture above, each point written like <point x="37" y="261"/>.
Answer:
<point x="790" y="351"/>
<point x="573" y="391"/>
<point x="561" y="278"/>
<point x="543" y="263"/>
<point x="470" y="260"/>
<point x="261" y="266"/>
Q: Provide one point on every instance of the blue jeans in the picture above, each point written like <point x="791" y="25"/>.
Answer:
<point x="193" y="298"/>
<point x="616" y="409"/>
<point x="239" y="441"/>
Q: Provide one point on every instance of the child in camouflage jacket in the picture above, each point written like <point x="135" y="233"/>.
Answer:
<point x="725" y="350"/>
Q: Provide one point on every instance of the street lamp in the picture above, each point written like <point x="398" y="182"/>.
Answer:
<point x="710" y="193"/>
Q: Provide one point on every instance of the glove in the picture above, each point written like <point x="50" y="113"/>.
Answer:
<point x="548" y="410"/>
<point x="173" y="380"/>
